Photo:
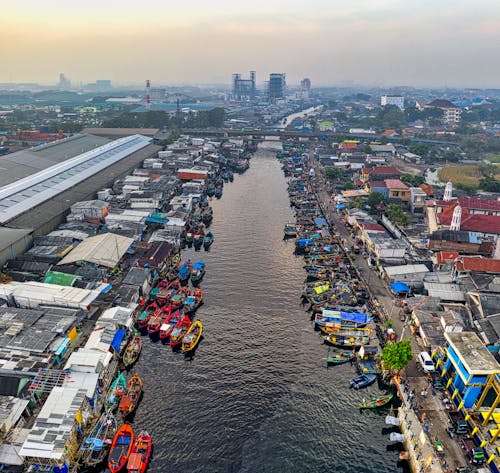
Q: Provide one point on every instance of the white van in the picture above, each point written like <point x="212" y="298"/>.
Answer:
<point x="426" y="362"/>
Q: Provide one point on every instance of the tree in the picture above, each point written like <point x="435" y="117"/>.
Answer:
<point x="376" y="198"/>
<point x="412" y="181"/>
<point x="489" y="184"/>
<point x="396" y="214"/>
<point x="357" y="203"/>
<point x="396" y="355"/>
<point x="331" y="173"/>
<point x="487" y="169"/>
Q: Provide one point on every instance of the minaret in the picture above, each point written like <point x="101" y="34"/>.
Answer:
<point x="456" y="220"/>
<point x="447" y="191"/>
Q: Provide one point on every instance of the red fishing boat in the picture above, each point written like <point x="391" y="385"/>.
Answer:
<point x="130" y="399"/>
<point x="141" y="451"/>
<point x="179" y="331"/>
<point x="169" y="324"/>
<point x="164" y="294"/>
<point x="145" y="315"/>
<point x="177" y="300"/>
<point x="156" y="320"/>
<point x="120" y="448"/>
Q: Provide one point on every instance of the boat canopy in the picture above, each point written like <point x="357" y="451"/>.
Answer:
<point x="303" y="242"/>
<point x="199" y="265"/>
<point x="337" y="316"/>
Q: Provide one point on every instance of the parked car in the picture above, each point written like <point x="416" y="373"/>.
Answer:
<point x="475" y="454"/>
<point x="458" y="422"/>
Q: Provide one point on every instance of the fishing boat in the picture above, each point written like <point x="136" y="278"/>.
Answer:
<point x="193" y="301"/>
<point x="177" y="300"/>
<point x="115" y="392"/>
<point x="339" y="358"/>
<point x="120" y="448"/>
<point x="375" y="402"/>
<point x="345" y="342"/>
<point x="184" y="274"/>
<point x="198" y="241"/>
<point x="208" y="239"/>
<point x="218" y="192"/>
<point x="95" y="447"/>
<point x="168" y="324"/>
<point x="145" y="315"/>
<point x="198" y="272"/>
<point x="363" y="381"/>
<point x="189" y="239"/>
<point x="192" y="337"/>
<point x="141" y="451"/>
<point x="130" y="398"/>
<point x="180" y="331"/>
<point x="155" y="322"/>
<point x="290" y="230"/>
<point x="132" y="351"/>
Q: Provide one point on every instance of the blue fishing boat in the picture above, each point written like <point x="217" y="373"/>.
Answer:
<point x="95" y="447"/>
<point x="218" y="192"/>
<point x="184" y="273"/>
<point x="345" y="319"/>
<point x="208" y="239"/>
<point x="363" y="381"/>
<point x="198" y="272"/>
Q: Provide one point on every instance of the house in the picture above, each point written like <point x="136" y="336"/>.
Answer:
<point x="380" y="173"/>
<point x="398" y="190"/>
<point x="473" y="205"/>
<point x="411" y="274"/>
<point x="417" y="200"/>
<point x="428" y="189"/>
<point x="451" y="113"/>
<point x="461" y="241"/>
<point x="485" y="225"/>
<point x="444" y="259"/>
<point x="377" y="186"/>
<point x="467" y="264"/>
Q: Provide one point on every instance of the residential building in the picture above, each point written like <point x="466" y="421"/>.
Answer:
<point x="378" y="173"/>
<point x="277" y="85"/>
<point x="397" y="190"/>
<point x="451" y="113"/>
<point x="417" y="200"/>
<point x="396" y="100"/>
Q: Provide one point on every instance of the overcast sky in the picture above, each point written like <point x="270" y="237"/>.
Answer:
<point x="375" y="42"/>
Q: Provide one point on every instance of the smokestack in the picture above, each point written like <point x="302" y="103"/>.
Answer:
<point x="148" y="96"/>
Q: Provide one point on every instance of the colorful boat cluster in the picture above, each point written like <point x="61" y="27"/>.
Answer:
<point x="336" y="299"/>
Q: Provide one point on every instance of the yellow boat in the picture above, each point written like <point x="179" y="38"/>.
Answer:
<point x="192" y="337"/>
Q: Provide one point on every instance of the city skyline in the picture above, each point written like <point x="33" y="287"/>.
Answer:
<point x="383" y="42"/>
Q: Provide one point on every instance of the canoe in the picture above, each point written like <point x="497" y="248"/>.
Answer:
<point x="120" y="448"/>
<point x="339" y="358"/>
<point x="95" y="447"/>
<point x="141" y="451"/>
<point x="130" y="398"/>
<point x="116" y="390"/>
<point x="363" y="381"/>
<point x="155" y="322"/>
<point x="132" y="351"/>
<point x="168" y="324"/>
<point x="192" y="337"/>
<point x="180" y="331"/>
<point x="375" y="402"/>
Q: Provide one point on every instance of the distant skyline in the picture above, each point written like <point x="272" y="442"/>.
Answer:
<point x="427" y="43"/>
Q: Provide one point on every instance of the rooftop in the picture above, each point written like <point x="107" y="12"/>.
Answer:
<point x="381" y="170"/>
<point x="395" y="184"/>
<point x="478" y="264"/>
<point x="472" y="352"/>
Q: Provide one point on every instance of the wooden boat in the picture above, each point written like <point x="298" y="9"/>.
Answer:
<point x="189" y="239"/>
<point x="120" y="448"/>
<point x="145" y="315"/>
<point x="198" y="241"/>
<point x="141" y="451"/>
<point x="375" y="402"/>
<point x="177" y="300"/>
<point x="339" y="358"/>
<point x="218" y="192"/>
<point x="116" y="391"/>
<point x="155" y="322"/>
<point x="290" y="230"/>
<point x="132" y="351"/>
<point x="180" y="331"/>
<point x="130" y="399"/>
<point x="208" y="239"/>
<point x="198" y="272"/>
<point x="346" y="342"/>
<point x="168" y="324"/>
<point x="193" y="301"/>
<point x="363" y="381"/>
<point x="95" y="447"/>
<point x="184" y="273"/>
<point x="192" y="337"/>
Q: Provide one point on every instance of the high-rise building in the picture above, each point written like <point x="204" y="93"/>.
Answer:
<point x="244" y="89"/>
<point x="64" y="82"/>
<point x="277" y="85"/>
<point x="396" y="100"/>
<point x="305" y="84"/>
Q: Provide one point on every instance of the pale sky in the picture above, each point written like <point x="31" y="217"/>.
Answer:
<point x="377" y="42"/>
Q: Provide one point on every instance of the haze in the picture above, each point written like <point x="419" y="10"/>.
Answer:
<point x="377" y="42"/>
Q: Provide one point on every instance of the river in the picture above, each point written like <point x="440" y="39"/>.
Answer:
<point x="257" y="395"/>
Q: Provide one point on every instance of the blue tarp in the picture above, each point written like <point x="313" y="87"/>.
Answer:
<point x="117" y="339"/>
<point x="199" y="265"/>
<point x="400" y="287"/>
<point x="302" y="243"/>
<point x="357" y="317"/>
<point x="340" y="206"/>
<point x="320" y="222"/>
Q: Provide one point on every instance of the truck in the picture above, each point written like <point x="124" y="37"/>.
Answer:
<point x="474" y="454"/>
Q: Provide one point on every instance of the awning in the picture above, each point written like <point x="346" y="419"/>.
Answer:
<point x="400" y="287"/>
<point x="117" y="339"/>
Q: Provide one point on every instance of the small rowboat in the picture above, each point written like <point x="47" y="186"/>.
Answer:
<point x="198" y="272"/>
<point x="116" y="390"/>
<point x="145" y="315"/>
<point x="363" y="381"/>
<point x="180" y="331"/>
<point x="339" y="358"/>
<point x="132" y="351"/>
<point x="208" y="239"/>
<point x="168" y="324"/>
<point x="141" y="451"/>
<point x="130" y="399"/>
<point x="178" y="299"/>
<point x="95" y="447"/>
<point x="376" y="402"/>
<point x="193" y="301"/>
<point x="192" y="337"/>
<point x="120" y="448"/>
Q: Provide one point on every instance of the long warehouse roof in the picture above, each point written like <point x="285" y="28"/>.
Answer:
<point x="33" y="190"/>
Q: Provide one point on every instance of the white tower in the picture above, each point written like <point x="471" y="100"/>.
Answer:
<point x="447" y="191"/>
<point x="456" y="220"/>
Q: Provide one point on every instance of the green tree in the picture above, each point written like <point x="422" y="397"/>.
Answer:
<point x="487" y="169"/>
<point x="348" y="185"/>
<point x="331" y="173"/>
<point x="412" y="181"/>
<point x="376" y="198"/>
<point x="489" y="184"/>
<point x="396" y="214"/>
<point x="357" y="202"/>
<point x="396" y="355"/>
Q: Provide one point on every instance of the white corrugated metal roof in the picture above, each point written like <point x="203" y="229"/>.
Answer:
<point x="447" y="292"/>
<point x="104" y="250"/>
<point x="23" y="195"/>
<point x="406" y="269"/>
